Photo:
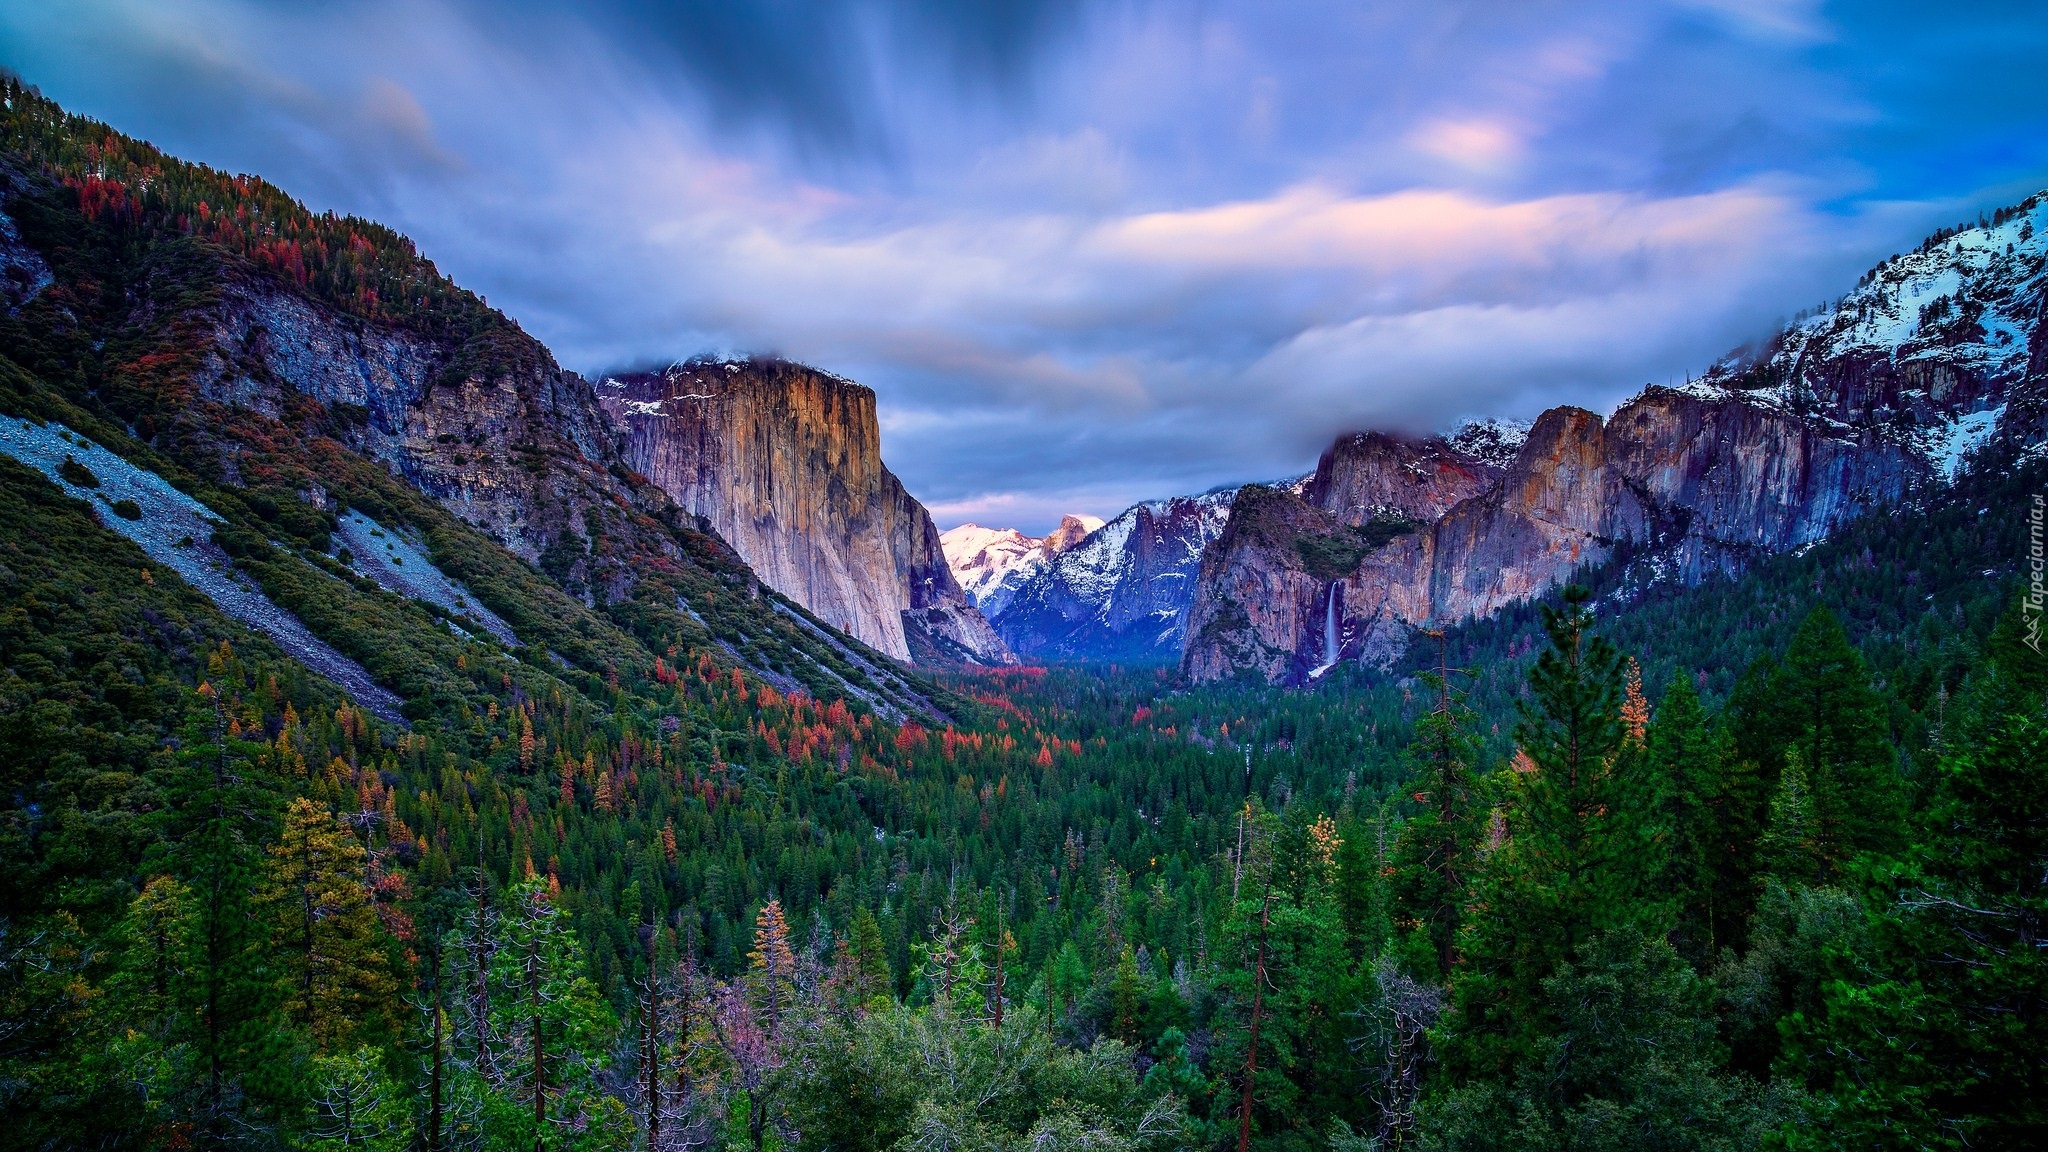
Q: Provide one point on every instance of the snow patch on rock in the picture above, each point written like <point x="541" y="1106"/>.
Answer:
<point x="1950" y="444"/>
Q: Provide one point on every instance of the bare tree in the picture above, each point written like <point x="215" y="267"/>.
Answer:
<point x="1396" y="1047"/>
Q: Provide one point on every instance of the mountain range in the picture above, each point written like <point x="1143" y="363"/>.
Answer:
<point x="1853" y="408"/>
<point x="408" y="742"/>
<point x="1850" y="409"/>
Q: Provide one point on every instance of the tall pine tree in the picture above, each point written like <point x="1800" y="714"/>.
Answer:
<point x="1940" y="1038"/>
<point x="1436" y="855"/>
<point x="335" y="976"/>
<point x="1574" y="862"/>
<point x="1829" y="712"/>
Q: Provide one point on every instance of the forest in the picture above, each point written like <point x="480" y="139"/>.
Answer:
<point x="1754" y="864"/>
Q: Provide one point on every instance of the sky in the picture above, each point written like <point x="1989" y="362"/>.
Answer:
<point x="1089" y="252"/>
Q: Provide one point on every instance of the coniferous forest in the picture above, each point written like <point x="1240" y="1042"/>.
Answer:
<point x="1755" y="864"/>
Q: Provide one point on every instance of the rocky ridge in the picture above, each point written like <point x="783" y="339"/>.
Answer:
<point x="306" y="368"/>
<point x="991" y="564"/>
<point x="1123" y="592"/>
<point x="1777" y="446"/>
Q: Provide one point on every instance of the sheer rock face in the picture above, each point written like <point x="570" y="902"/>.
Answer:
<point x="1933" y="355"/>
<point x="785" y="465"/>
<point x="1690" y="486"/>
<point x="784" y="462"/>
<point x="1369" y="474"/>
<point x="1298" y="581"/>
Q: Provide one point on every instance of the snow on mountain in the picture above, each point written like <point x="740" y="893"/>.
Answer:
<point x="1492" y="440"/>
<point x="1123" y="592"/>
<point x="991" y="564"/>
<point x="1923" y="350"/>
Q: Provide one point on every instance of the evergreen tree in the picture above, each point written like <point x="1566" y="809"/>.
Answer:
<point x="1630" y="1061"/>
<point x="1752" y="726"/>
<point x="1697" y="822"/>
<point x="870" y="960"/>
<point x="1835" y="720"/>
<point x="1939" y="1038"/>
<point x="229" y="1065"/>
<point x="1574" y="861"/>
<point x="1792" y="847"/>
<point x="1292" y="1057"/>
<point x="1436" y="854"/>
<point x="356" y="1105"/>
<point x="1126" y="998"/>
<point x="1362" y="883"/>
<point x="774" y="963"/>
<point x="548" y="1029"/>
<point x="335" y="977"/>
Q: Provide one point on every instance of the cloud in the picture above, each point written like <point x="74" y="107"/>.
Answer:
<point x="1089" y="253"/>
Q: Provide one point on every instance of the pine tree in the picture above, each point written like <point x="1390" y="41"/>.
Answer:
<point x="774" y="963"/>
<point x="547" y="1029"/>
<point x="872" y="979"/>
<point x="1792" y="847"/>
<point x="1126" y="993"/>
<point x="1940" y="1038"/>
<point x="1686" y="784"/>
<point x="1629" y="1059"/>
<point x="1834" y="718"/>
<point x="1574" y="861"/>
<point x="1752" y="729"/>
<point x="335" y="979"/>
<point x="233" y="1064"/>
<point x="1436" y="854"/>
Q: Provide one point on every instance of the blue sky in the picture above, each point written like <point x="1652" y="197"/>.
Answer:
<point x="1093" y="252"/>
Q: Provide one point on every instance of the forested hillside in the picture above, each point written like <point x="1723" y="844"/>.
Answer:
<point x="1755" y="863"/>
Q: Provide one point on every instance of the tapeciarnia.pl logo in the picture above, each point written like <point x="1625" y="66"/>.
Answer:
<point x="2037" y="593"/>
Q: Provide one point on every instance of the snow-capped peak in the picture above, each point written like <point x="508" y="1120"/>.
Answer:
<point x="1922" y="350"/>
<point x="992" y="563"/>
<point x="1963" y="297"/>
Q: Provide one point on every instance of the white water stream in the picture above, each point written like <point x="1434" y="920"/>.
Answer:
<point x="1330" y="649"/>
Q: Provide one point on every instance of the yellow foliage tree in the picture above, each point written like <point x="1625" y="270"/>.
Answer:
<point x="336" y="977"/>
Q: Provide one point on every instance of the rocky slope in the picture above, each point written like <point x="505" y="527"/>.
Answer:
<point x="991" y="564"/>
<point x="1123" y="592"/>
<point x="1842" y="413"/>
<point x="296" y="366"/>
<point x="784" y="463"/>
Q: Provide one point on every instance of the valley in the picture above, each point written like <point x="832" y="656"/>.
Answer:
<point x="412" y="743"/>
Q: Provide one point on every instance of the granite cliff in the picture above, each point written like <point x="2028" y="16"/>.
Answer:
<point x="784" y="462"/>
<point x="1844" y="412"/>
<point x="315" y="375"/>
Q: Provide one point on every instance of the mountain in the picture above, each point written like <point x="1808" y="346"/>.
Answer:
<point x="300" y="386"/>
<point x="1842" y="413"/>
<point x="992" y="563"/>
<point x="1283" y="590"/>
<point x="784" y="462"/>
<point x="1123" y="592"/>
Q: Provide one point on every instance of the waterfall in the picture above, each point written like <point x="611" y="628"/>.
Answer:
<point x="1330" y="626"/>
<point x="1331" y="640"/>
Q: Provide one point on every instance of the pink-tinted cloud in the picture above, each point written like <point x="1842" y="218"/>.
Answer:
<point x="1092" y="252"/>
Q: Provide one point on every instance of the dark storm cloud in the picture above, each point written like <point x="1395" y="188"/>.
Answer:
<point x="820" y="72"/>
<point x="1089" y="253"/>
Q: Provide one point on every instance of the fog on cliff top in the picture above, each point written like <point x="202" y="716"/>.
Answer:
<point x="1092" y="252"/>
